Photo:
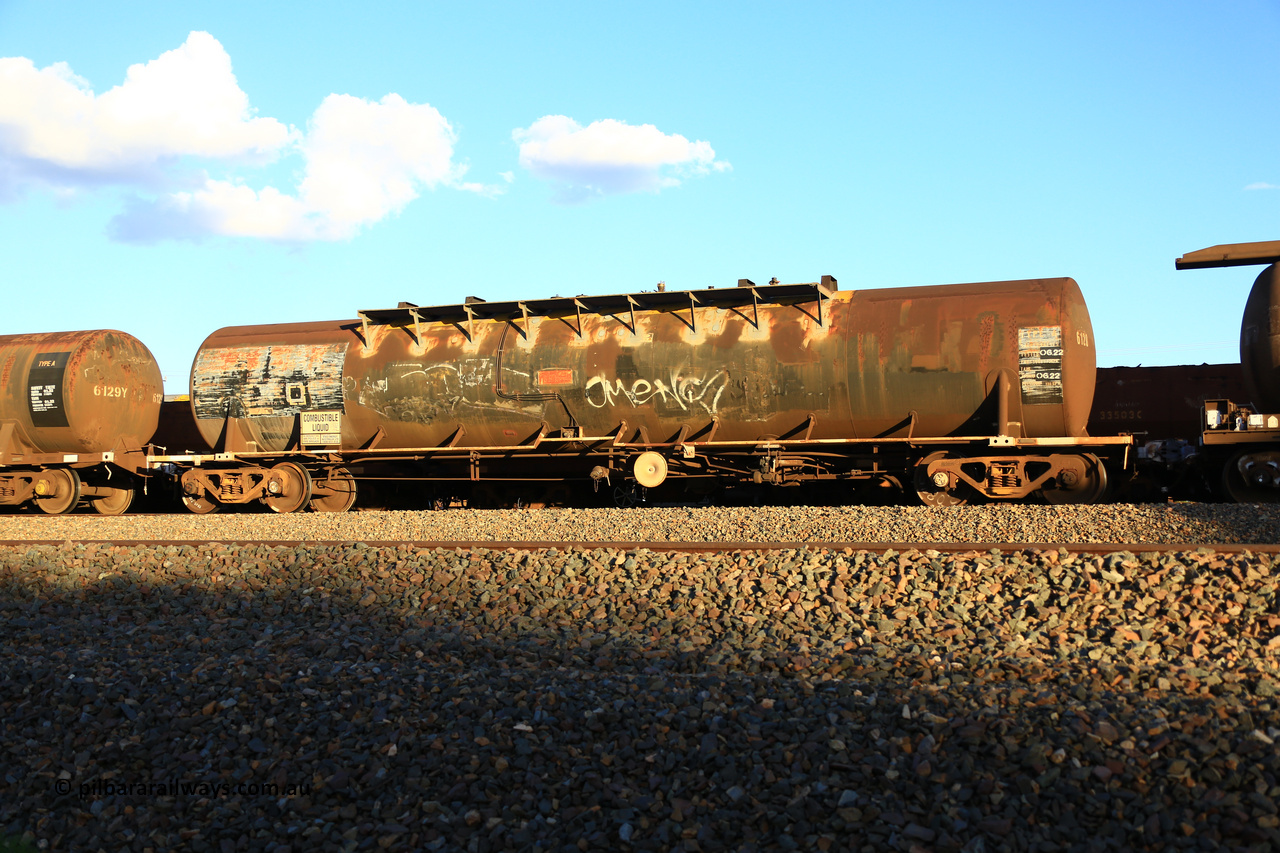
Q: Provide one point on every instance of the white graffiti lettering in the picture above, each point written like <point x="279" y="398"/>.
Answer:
<point x="473" y="372"/>
<point x="687" y="392"/>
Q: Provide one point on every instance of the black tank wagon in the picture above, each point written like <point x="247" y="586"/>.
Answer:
<point x="1241" y="438"/>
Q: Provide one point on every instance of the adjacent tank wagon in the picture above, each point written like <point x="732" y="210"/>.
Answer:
<point x="952" y="392"/>
<point x="76" y="411"/>
<point x="1241" y="438"/>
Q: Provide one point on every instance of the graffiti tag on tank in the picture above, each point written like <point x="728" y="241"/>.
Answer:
<point x="686" y="393"/>
<point x="413" y="392"/>
<point x="267" y="381"/>
<point x="1040" y="364"/>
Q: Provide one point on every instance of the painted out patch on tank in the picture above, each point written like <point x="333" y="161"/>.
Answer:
<point x="1040" y="364"/>
<point x="267" y="381"/>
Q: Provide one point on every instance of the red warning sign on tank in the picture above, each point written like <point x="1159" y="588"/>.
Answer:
<point x="557" y="376"/>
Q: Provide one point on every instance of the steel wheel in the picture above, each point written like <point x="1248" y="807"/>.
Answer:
<point x="200" y="505"/>
<point x="57" y="490"/>
<point x="1246" y="479"/>
<point x="626" y="496"/>
<point x="1088" y="489"/>
<point x="113" y="504"/>
<point x="343" y="488"/>
<point x="950" y="493"/>
<point x="295" y="488"/>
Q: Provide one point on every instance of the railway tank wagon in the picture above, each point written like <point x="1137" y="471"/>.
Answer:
<point x="76" y="411"/>
<point x="953" y="392"/>
<point x="1241" y="438"/>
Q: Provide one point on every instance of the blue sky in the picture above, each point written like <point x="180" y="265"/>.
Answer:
<point x="167" y="169"/>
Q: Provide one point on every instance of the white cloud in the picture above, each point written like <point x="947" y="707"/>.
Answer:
<point x="609" y="157"/>
<point x="362" y="160"/>
<point x="220" y="208"/>
<point x="1262" y="186"/>
<point x="54" y="130"/>
<point x="367" y="159"/>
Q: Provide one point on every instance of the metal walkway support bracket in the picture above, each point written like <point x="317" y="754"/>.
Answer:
<point x="631" y="309"/>
<point x="822" y="292"/>
<point x="524" y="315"/>
<point x="693" y="317"/>
<point x="754" y="319"/>
<point x="622" y="307"/>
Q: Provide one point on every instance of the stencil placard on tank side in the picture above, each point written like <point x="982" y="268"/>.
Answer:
<point x="44" y="389"/>
<point x="1040" y="364"/>
<point x="267" y="381"/>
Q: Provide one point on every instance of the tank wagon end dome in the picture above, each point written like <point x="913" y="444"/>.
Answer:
<point x="89" y="391"/>
<point x="262" y="376"/>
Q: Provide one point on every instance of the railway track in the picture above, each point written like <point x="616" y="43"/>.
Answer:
<point x="689" y="547"/>
<point x="1105" y="528"/>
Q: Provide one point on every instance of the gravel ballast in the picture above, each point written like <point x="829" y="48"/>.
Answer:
<point x="1180" y="523"/>
<point x="345" y="697"/>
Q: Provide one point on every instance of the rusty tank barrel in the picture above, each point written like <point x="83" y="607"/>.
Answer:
<point x="942" y="352"/>
<point x="734" y="364"/>
<point x="77" y="392"/>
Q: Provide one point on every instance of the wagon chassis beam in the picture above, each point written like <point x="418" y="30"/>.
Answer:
<point x="547" y="447"/>
<point x="1020" y="468"/>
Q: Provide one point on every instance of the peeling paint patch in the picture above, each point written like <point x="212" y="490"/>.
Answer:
<point x="267" y="381"/>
